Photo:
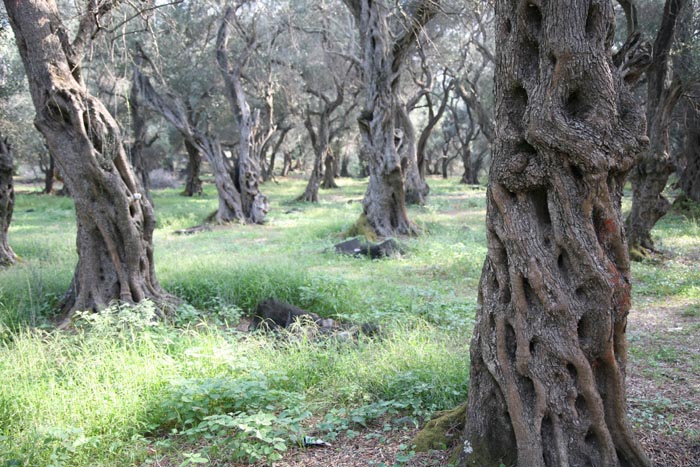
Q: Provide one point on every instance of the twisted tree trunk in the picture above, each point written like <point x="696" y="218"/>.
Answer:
<point x="173" y="110"/>
<point x="468" y="175"/>
<point x="690" y="177"/>
<point x="388" y="138"/>
<point x="320" y="136"/>
<point x="416" y="187"/>
<point x="330" y="166"/>
<point x="548" y="353"/>
<point x="193" y="184"/>
<point x="310" y="194"/>
<point x="254" y="203"/>
<point x="115" y="221"/>
<point x="7" y="202"/>
<point x="650" y="175"/>
<point x="139" y="131"/>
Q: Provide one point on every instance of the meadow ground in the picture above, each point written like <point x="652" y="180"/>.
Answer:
<point x="119" y="389"/>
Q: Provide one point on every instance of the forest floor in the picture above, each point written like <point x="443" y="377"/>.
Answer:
<point x="663" y="387"/>
<point x="120" y="390"/>
<point x="663" y="392"/>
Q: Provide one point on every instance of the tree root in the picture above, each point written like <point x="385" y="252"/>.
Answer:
<point x="443" y="431"/>
<point x="362" y="228"/>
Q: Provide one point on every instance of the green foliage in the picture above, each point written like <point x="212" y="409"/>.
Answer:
<point x="246" y="419"/>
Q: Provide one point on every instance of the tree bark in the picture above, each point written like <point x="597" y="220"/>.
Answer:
<point x="650" y="175"/>
<point x="388" y="138"/>
<point x="690" y="177"/>
<point x="254" y="203"/>
<point x="139" y="134"/>
<point x="269" y="172"/>
<point x="193" y="183"/>
<point x="115" y="221"/>
<point x="330" y="165"/>
<point x="286" y="164"/>
<point x="548" y="353"/>
<point x="320" y="136"/>
<point x="472" y="166"/>
<point x="7" y="202"/>
<point x="467" y="175"/>
<point x="310" y="194"/>
<point x="47" y="164"/>
<point x="416" y="187"/>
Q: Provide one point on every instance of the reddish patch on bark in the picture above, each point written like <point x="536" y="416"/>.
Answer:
<point x="608" y="231"/>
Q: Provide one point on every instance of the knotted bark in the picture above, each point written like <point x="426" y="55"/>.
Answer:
<point x="115" y="220"/>
<point x="650" y="176"/>
<point x="690" y="177"/>
<point x="329" y="164"/>
<point x="254" y="203"/>
<point x="388" y="139"/>
<point x="548" y="353"/>
<point x="193" y="183"/>
<point x="7" y="202"/>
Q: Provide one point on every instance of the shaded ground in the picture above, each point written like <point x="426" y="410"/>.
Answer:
<point x="373" y="447"/>
<point x="664" y="381"/>
<point x="663" y="395"/>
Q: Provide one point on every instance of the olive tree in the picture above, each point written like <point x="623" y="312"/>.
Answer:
<point x="115" y="221"/>
<point x="388" y="137"/>
<point x="548" y="352"/>
<point x="7" y="202"/>
<point x="650" y="175"/>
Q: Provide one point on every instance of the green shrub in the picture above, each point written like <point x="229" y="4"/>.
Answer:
<point x="245" y="418"/>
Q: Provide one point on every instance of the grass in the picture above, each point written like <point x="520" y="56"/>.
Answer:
<point x="122" y="390"/>
<point x="99" y="396"/>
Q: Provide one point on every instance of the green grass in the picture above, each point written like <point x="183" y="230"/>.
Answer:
<point x="106" y="393"/>
<point x="120" y="388"/>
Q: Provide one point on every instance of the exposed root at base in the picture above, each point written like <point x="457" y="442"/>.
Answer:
<point x="443" y="431"/>
<point x="362" y="228"/>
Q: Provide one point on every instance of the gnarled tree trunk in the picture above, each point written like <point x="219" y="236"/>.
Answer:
<point x="468" y="175"/>
<point x="255" y="204"/>
<point x="690" y="177"/>
<point x="310" y="194"/>
<point x="330" y="166"/>
<point x="7" y="202"/>
<point x="115" y="221"/>
<point x="388" y="138"/>
<point x="139" y="131"/>
<point x="548" y="353"/>
<point x="650" y="175"/>
<point x="416" y="187"/>
<point x="193" y="184"/>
